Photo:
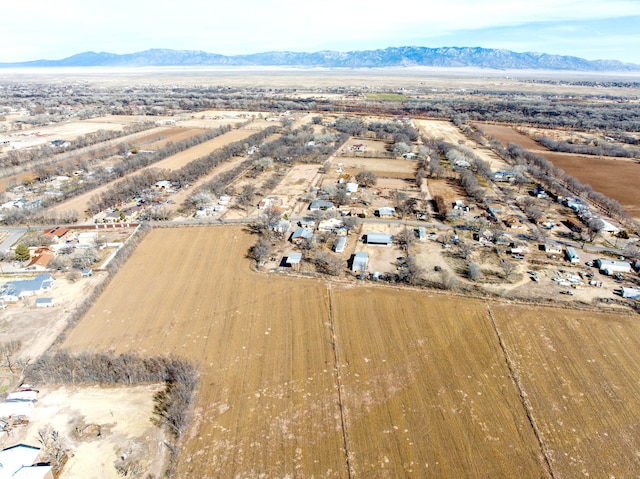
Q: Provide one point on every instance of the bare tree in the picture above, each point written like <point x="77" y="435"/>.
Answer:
<point x="594" y="228"/>
<point x="261" y="251"/>
<point x="405" y="238"/>
<point x="474" y="272"/>
<point x="508" y="267"/>
<point x="366" y="178"/>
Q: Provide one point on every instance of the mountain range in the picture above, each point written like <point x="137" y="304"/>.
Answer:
<point x="446" y="57"/>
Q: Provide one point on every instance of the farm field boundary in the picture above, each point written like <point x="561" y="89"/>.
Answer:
<point x="421" y="379"/>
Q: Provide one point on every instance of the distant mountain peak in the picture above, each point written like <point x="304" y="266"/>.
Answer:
<point x="407" y="56"/>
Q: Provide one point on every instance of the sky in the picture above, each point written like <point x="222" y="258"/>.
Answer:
<point x="590" y="29"/>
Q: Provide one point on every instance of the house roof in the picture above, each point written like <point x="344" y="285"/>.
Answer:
<point x="386" y="210"/>
<point x="43" y="258"/>
<point x="294" y="258"/>
<point x="305" y="233"/>
<point x="41" y="281"/>
<point x="57" y="231"/>
<point x="321" y="205"/>
<point x="360" y="260"/>
<point x="379" y="238"/>
<point x="15" y="457"/>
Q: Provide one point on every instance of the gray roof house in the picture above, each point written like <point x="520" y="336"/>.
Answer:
<point x="318" y="205"/>
<point x="27" y="287"/>
<point x="301" y="234"/>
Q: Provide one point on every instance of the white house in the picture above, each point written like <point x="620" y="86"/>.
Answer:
<point x="352" y="187"/>
<point x="552" y="247"/>
<point x="17" y="462"/>
<point x="386" y="212"/>
<point x="611" y="267"/>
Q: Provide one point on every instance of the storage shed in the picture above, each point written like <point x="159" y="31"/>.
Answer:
<point x="572" y="256"/>
<point x="360" y="262"/>
<point x="44" y="303"/>
<point x="379" y="238"/>
<point x="340" y="244"/>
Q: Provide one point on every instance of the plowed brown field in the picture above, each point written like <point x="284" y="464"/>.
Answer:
<point x="506" y="134"/>
<point x="580" y="373"/>
<point x="615" y="178"/>
<point x="301" y="379"/>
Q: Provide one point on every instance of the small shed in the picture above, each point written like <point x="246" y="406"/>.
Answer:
<point x="340" y="244"/>
<point x="352" y="187"/>
<point x="422" y="233"/>
<point x="86" y="273"/>
<point x="44" y="302"/>
<point x="572" y="256"/>
<point x="360" y="262"/>
<point x="379" y="238"/>
<point x="294" y="259"/>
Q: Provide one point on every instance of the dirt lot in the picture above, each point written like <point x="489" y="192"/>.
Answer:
<point x="17" y="320"/>
<point x="441" y="129"/>
<point x="123" y="419"/>
<point x="382" y="167"/>
<point x="295" y="184"/>
<point x="329" y="370"/>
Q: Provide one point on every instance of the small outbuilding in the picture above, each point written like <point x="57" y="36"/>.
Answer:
<point x="44" y="303"/>
<point x="294" y="259"/>
<point x="631" y="293"/>
<point x="360" y="262"/>
<point x="572" y="256"/>
<point x="340" y="244"/>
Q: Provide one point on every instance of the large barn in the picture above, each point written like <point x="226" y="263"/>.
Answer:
<point x="379" y="238"/>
